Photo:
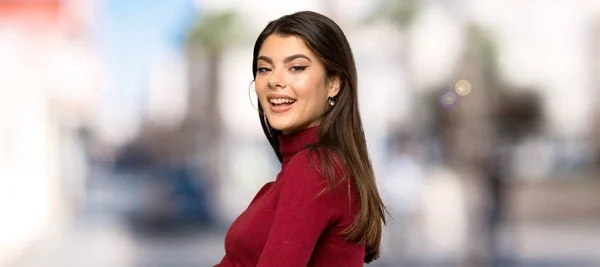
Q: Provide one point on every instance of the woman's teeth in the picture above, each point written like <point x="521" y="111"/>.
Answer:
<point x="278" y="101"/>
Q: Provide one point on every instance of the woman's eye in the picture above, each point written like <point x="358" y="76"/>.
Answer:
<point x="262" y="70"/>
<point x="298" y="68"/>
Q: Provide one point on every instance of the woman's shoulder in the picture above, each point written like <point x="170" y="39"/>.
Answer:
<point x="319" y="171"/>
<point x="317" y="160"/>
<point x="309" y="175"/>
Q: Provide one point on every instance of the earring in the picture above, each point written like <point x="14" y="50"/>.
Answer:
<point x="253" y="101"/>
<point x="331" y="101"/>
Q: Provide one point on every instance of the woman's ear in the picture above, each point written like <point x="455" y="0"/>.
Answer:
<point x="334" y="86"/>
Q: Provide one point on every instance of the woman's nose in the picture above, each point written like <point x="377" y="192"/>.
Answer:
<point x="277" y="79"/>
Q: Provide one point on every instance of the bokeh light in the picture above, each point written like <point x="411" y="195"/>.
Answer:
<point x="448" y="98"/>
<point x="462" y="87"/>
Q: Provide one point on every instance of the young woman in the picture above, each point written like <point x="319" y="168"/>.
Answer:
<point x="323" y="209"/>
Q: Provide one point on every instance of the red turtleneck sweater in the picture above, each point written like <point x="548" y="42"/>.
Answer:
<point x="287" y="224"/>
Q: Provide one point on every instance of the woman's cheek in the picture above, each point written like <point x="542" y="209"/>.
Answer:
<point x="264" y="104"/>
<point x="261" y="95"/>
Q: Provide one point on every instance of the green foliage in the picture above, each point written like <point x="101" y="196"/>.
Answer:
<point x="215" y="30"/>
<point x="401" y="12"/>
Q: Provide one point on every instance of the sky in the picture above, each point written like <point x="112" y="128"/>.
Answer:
<point x="131" y="36"/>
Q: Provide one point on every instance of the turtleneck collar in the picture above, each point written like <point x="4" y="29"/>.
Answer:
<point x="291" y="144"/>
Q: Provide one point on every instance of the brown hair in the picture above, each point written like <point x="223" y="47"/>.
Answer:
<point x="340" y="128"/>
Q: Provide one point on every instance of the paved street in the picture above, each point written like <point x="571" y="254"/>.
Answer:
<point x="107" y="242"/>
<point x="98" y="238"/>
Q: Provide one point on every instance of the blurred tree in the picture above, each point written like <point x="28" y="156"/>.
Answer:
<point x="475" y="124"/>
<point x="206" y="43"/>
<point x="466" y="124"/>
<point x="208" y="39"/>
<point x="401" y="13"/>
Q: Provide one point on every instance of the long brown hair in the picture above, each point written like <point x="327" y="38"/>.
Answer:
<point x="340" y="128"/>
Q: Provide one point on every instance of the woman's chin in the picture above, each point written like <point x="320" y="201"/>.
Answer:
<point x="283" y="127"/>
<point x="286" y="123"/>
<point x="289" y="128"/>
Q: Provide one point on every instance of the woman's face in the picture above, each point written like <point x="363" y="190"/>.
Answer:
<point x="291" y="84"/>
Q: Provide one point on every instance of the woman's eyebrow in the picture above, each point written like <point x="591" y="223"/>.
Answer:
<point x="286" y="60"/>
<point x="265" y="58"/>
<point x="292" y="57"/>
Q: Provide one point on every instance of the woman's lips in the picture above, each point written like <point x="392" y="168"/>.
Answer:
<point x="280" y="108"/>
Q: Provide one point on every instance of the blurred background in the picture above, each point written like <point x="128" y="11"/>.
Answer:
<point x="128" y="137"/>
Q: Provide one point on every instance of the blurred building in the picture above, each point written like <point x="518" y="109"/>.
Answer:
<point x="29" y="196"/>
<point x="48" y="86"/>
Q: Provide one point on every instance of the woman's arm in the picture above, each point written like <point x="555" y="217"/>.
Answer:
<point x="300" y="215"/>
